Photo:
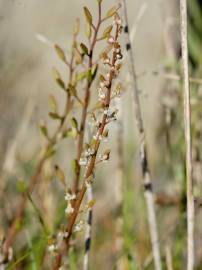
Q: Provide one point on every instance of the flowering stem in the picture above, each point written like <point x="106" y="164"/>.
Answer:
<point x="13" y="229"/>
<point x="86" y="103"/>
<point x="92" y="160"/>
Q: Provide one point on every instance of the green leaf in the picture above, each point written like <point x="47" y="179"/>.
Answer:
<point x="107" y="31"/>
<point x="111" y="11"/>
<point x="72" y="90"/>
<point x="58" y="79"/>
<point x="74" y="123"/>
<point x="76" y="27"/>
<point x="84" y="48"/>
<point x="89" y="76"/>
<point x="23" y="257"/>
<point x="21" y="186"/>
<point x="75" y="166"/>
<point x="81" y="76"/>
<point x="54" y="115"/>
<point x="60" y="175"/>
<point x="88" y="31"/>
<point x="67" y="133"/>
<point x="43" y="129"/>
<point x="53" y="103"/>
<point x="60" y="53"/>
<point x="78" y="56"/>
<point x="88" y="15"/>
<point x="94" y="71"/>
<point x="71" y="132"/>
<point x="50" y="152"/>
<point x="102" y="78"/>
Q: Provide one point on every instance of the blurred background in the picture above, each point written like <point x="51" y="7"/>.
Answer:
<point x="28" y="32"/>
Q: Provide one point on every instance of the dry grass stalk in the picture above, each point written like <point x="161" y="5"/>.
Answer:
<point x="168" y="254"/>
<point x="187" y="131"/>
<point x="148" y="191"/>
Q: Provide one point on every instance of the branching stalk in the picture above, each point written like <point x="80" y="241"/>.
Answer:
<point x="13" y="229"/>
<point x="92" y="161"/>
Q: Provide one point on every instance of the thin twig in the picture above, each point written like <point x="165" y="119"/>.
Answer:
<point x="119" y="188"/>
<point x="88" y="234"/>
<point x="187" y="131"/>
<point x="148" y="190"/>
<point x="88" y="230"/>
<point x="176" y="77"/>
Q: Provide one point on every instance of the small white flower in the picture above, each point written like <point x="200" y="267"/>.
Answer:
<point x="95" y="137"/>
<point x="111" y="40"/>
<point x="62" y="234"/>
<point x="79" y="226"/>
<point x="108" y="75"/>
<point x="52" y="248"/>
<point x="105" y="111"/>
<point x="65" y="234"/>
<point x="119" y="56"/>
<point x="106" y="61"/>
<point x="70" y="197"/>
<point x="119" y="22"/>
<point x="89" y="152"/>
<point x="102" y="84"/>
<point x="69" y="210"/>
<point x="83" y="161"/>
<point x="101" y="94"/>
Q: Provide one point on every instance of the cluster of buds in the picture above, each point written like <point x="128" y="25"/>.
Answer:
<point x="89" y="151"/>
<point x="111" y="114"/>
<point x="117" y="20"/>
<point x="69" y="197"/>
<point x="117" y="49"/>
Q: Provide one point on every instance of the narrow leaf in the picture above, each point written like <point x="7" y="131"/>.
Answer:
<point x="60" y="174"/>
<point x="111" y="12"/>
<point x="107" y="31"/>
<point x="53" y="103"/>
<point x="88" y="15"/>
<point x="60" y="53"/>
<point x="84" y="48"/>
